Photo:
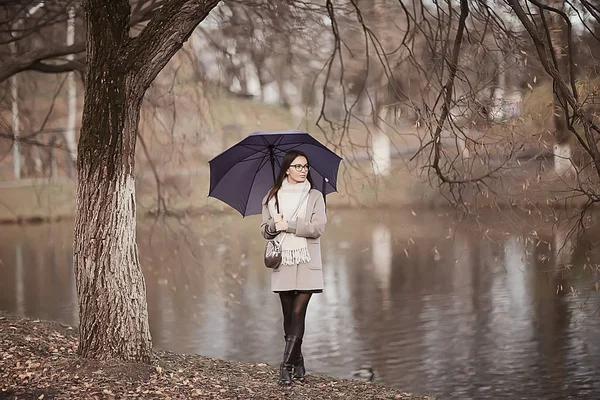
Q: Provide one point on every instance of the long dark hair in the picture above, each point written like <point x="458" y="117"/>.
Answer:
<point x="288" y="159"/>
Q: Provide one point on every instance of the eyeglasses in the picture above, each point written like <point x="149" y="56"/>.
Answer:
<point x="300" y="167"/>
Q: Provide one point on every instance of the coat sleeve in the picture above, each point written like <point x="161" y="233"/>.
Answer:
<point x="267" y="227"/>
<point x="313" y="227"/>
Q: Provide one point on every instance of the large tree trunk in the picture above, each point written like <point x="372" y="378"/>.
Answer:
<point x="113" y="316"/>
<point x="110" y="285"/>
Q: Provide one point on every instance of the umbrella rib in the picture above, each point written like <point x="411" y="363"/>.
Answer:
<point x="296" y="145"/>
<point x="276" y="143"/>
<point x="277" y="161"/>
<point x="313" y="144"/>
<point x="249" y="145"/>
<point x="258" y="157"/>
<point x="281" y="151"/>
<point x="233" y="165"/>
<point x="261" y="151"/>
<point x="273" y="149"/>
<point x="262" y="164"/>
<point x="279" y="140"/>
<point x="257" y="148"/>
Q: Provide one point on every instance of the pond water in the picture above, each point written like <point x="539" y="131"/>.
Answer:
<point x="460" y="310"/>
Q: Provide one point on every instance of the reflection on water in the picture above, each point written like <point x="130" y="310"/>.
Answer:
<point x="432" y="308"/>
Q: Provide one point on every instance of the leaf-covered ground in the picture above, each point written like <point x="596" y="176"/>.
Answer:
<point x="38" y="360"/>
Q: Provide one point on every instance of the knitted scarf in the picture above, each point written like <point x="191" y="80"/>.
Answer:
<point x="292" y="197"/>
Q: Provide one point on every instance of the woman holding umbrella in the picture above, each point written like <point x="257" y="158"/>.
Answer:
<point x="293" y="213"/>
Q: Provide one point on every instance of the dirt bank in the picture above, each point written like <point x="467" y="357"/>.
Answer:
<point x="38" y="361"/>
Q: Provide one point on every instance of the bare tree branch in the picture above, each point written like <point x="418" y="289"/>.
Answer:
<point x="69" y="66"/>
<point x="16" y="63"/>
<point x="165" y="34"/>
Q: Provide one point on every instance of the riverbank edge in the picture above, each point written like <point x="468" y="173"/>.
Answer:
<point x="193" y="212"/>
<point x="38" y="361"/>
<point x="40" y="201"/>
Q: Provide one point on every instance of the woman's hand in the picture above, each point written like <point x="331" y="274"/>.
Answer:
<point x="281" y="226"/>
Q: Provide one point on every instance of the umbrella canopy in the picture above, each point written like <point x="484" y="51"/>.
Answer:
<point x="243" y="174"/>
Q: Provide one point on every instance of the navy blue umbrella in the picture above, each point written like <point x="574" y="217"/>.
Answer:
<point x="243" y="174"/>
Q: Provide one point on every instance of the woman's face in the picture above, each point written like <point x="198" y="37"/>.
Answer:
<point x="298" y="170"/>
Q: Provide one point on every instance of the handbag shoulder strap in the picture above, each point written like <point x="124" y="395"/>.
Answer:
<point x="300" y="204"/>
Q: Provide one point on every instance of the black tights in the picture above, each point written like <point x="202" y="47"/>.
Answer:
<point x="294" y="307"/>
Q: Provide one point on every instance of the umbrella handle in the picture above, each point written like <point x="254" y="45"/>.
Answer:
<point x="272" y="159"/>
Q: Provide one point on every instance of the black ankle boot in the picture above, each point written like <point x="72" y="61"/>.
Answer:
<point x="299" y="370"/>
<point x="292" y="347"/>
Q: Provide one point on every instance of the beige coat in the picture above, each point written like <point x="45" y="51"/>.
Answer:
<point x="300" y="276"/>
